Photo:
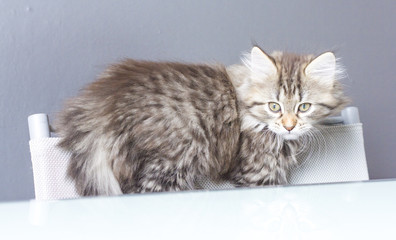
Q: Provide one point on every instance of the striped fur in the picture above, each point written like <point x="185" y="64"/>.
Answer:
<point x="159" y="126"/>
<point x="267" y="147"/>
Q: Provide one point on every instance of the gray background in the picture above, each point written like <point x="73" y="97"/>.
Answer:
<point x="50" y="49"/>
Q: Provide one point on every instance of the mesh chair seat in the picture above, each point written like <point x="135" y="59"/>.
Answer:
<point x="336" y="155"/>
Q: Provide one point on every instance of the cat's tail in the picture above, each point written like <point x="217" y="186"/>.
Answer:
<point x="92" y="170"/>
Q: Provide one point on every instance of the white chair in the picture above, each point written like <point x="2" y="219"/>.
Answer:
<point x="337" y="155"/>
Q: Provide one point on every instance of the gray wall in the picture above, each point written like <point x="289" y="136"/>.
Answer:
<point x="50" y="49"/>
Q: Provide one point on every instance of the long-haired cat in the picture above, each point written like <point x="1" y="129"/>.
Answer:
<point x="160" y="126"/>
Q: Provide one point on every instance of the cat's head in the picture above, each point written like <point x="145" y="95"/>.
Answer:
<point x="287" y="93"/>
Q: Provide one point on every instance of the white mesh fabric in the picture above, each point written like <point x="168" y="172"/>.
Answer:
<point x="49" y="170"/>
<point x="337" y="156"/>
<point x="205" y="183"/>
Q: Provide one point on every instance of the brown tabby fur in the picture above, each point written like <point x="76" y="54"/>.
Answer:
<point x="160" y="126"/>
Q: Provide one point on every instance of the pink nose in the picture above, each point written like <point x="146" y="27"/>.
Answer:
<point x="289" y="128"/>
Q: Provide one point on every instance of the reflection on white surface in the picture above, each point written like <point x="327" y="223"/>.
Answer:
<point x="332" y="211"/>
<point x="38" y="213"/>
<point x="288" y="217"/>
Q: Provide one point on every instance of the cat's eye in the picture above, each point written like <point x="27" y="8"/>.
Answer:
<point x="274" y="107"/>
<point x="304" y="107"/>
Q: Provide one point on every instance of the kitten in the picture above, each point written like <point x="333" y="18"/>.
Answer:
<point x="160" y="126"/>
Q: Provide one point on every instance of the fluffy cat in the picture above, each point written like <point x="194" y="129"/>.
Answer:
<point x="160" y="126"/>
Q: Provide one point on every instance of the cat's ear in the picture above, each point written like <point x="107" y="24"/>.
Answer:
<point x="262" y="64"/>
<point x="323" y="68"/>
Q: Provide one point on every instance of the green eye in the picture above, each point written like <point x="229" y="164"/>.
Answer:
<point x="274" y="107"/>
<point x="304" y="107"/>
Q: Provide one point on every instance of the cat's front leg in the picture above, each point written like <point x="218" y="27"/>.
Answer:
<point x="261" y="169"/>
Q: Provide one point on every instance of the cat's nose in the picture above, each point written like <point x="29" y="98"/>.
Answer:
<point x="289" y="121"/>
<point x="289" y="128"/>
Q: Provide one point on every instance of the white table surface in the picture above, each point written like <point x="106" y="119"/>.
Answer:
<point x="360" y="210"/>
